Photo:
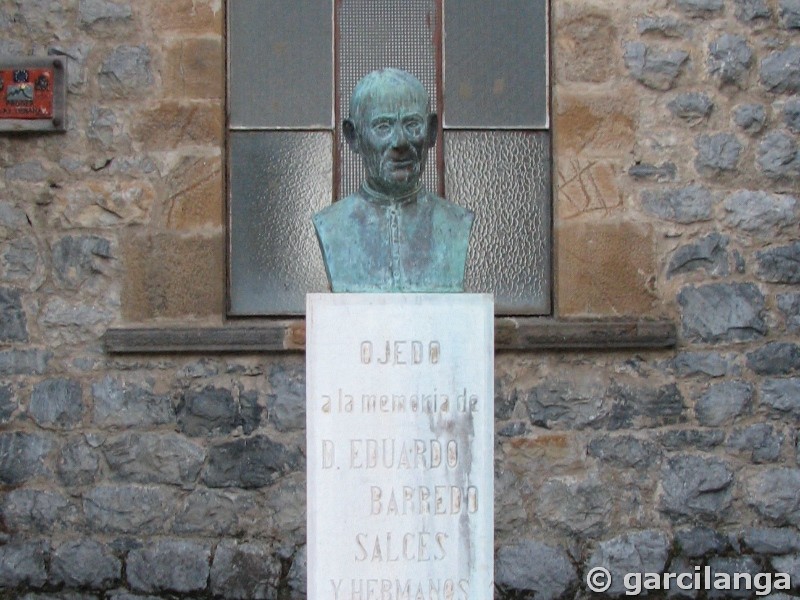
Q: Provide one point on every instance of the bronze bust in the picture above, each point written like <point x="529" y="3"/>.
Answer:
<point x="393" y="235"/>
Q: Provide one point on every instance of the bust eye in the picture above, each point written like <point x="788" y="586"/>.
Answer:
<point x="413" y="127"/>
<point x="382" y="128"/>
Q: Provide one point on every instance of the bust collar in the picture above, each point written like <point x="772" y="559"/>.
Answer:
<point x="374" y="197"/>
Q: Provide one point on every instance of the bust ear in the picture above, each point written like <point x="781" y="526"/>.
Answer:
<point x="433" y="129"/>
<point x="349" y="129"/>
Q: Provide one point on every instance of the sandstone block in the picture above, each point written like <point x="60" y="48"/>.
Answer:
<point x="194" y="68"/>
<point x="168" y="275"/>
<point x="605" y="269"/>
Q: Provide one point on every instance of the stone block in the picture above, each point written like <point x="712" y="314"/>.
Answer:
<point x="683" y="439"/>
<point x="582" y="508"/>
<point x="23" y="456"/>
<point x="640" y="552"/>
<point x="751" y="10"/>
<point x="78" y="462"/>
<point x="789" y="11"/>
<point x="104" y="204"/>
<point x="194" y="68"/>
<point x="780" y="264"/>
<point x="789" y="305"/>
<point x="249" y="462"/>
<point x="23" y="564"/>
<point x="780" y="71"/>
<point x="775" y="358"/>
<point x="605" y="269"/>
<point x="126" y="72"/>
<point x="13" y="324"/>
<point x="663" y="26"/>
<point x="771" y="540"/>
<point x="208" y="512"/>
<point x="24" y="362"/>
<point x="700" y="541"/>
<point x="286" y="404"/>
<point x="717" y="153"/>
<point x="722" y="312"/>
<point x="778" y="156"/>
<point x="724" y="402"/>
<point x="781" y="397"/>
<point x="57" y="403"/>
<point x="129" y="509"/>
<point x="775" y="494"/>
<point x="39" y="511"/>
<point x="169" y="275"/>
<point x="123" y="403"/>
<point x="729" y="566"/>
<point x="8" y="404"/>
<point x="707" y="253"/>
<point x="691" y="106"/>
<point x="169" y="566"/>
<point x="791" y="114"/>
<point x="535" y="568"/>
<point x="653" y="66"/>
<point x="245" y="570"/>
<point x="760" y="442"/>
<point x="592" y="125"/>
<point x="98" y="13"/>
<point x="567" y="404"/>
<point x="583" y="48"/>
<point x="640" y="406"/>
<point x="210" y="411"/>
<point x="760" y="213"/>
<point x="79" y="260"/>
<point x="750" y="117"/>
<point x="624" y="451"/>
<point x="696" y="487"/>
<point x="27" y="172"/>
<point x="153" y="458"/>
<point x="682" y="205"/>
<point x="664" y="172"/>
<point x="173" y="123"/>
<point x="21" y="262"/>
<point x="194" y="193"/>
<point x="699" y="8"/>
<point x="85" y="563"/>
<point x="729" y="59"/>
<point x="712" y="364"/>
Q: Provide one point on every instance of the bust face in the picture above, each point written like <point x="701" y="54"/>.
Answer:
<point x="393" y="136"/>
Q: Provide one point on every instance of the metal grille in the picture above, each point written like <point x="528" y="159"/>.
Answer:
<point x="504" y="177"/>
<point x="278" y="180"/>
<point x="374" y="35"/>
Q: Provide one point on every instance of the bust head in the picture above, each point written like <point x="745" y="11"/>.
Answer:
<point x="391" y="127"/>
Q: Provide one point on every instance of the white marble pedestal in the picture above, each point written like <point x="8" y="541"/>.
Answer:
<point x="400" y="422"/>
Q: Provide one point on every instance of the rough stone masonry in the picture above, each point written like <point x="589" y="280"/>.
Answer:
<point x="676" y="127"/>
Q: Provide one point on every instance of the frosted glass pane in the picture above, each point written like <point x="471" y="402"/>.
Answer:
<point x="378" y="34"/>
<point x="281" y="63"/>
<point x="495" y="63"/>
<point x="278" y="180"/>
<point x="505" y="178"/>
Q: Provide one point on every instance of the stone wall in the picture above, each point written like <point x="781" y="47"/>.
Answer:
<point x="676" y="129"/>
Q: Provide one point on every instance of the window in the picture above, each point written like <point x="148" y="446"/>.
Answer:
<point x="291" y="69"/>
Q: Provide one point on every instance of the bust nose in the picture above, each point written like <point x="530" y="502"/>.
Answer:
<point x="399" y="138"/>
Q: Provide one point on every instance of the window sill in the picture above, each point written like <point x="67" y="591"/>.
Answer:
<point x="511" y="334"/>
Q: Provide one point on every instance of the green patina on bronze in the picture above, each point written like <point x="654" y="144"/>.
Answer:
<point x="393" y="235"/>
